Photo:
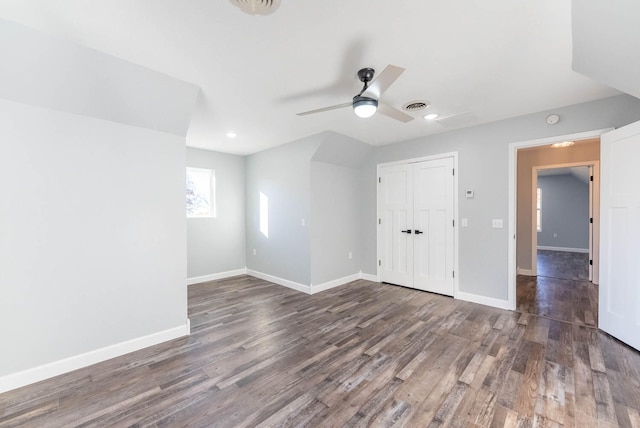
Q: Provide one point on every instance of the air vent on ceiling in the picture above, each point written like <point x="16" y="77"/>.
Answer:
<point x="257" y="7"/>
<point x="415" y="105"/>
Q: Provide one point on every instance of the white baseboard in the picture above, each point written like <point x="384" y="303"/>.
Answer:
<point x="49" y="370"/>
<point x="483" y="300"/>
<point x="369" y="277"/>
<point x="565" y="249"/>
<point x="215" y="276"/>
<point x="280" y="281"/>
<point x="335" y="283"/>
<point x="527" y="272"/>
<point x="311" y="289"/>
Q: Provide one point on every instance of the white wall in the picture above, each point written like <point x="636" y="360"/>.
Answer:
<point x="217" y="245"/>
<point x="483" y="167"/>
<point x="93" y="242"/>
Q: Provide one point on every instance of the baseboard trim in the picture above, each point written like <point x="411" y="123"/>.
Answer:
<point x="369" y="277"/>
<point x="49" y="370"/>
<point x="280" y="281"/>
<point x="483" y="300"/>
<point x="564" y="249"/>
<point x="335" y="283"/>
<point x="216" y="276"/>
<point x="526" y="272"/>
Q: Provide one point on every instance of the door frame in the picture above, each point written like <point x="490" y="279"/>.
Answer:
<point x="379" y="249"/>
<point x="594" y="213"/>
<point x="513" y="186"/>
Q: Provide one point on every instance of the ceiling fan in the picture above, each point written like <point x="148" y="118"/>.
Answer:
<point x="367" y="102"/>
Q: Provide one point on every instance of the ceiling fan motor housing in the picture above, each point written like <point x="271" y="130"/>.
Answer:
<point x="366" y="74"/>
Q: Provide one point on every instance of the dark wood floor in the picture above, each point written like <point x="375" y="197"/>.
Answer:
<point x="563" y="265"/>
<point x="561" y="291"/>
<point x="363" y="354"/>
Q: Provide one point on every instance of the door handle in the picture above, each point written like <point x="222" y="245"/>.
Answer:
<point x="406" y="231"/>
<point x="418" y="232"/>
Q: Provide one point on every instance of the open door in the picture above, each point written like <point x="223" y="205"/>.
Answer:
<point x="619" y="307"/>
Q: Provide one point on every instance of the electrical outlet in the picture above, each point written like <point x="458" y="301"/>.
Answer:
<point x="465" y="222"/>
<point x="254" y="252"/>
<point x="350" y="255"/>
<point x="496" y="223"/>
<point x="303" y="223"/>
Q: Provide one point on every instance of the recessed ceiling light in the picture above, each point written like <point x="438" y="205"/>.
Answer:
<point x="231" y="134"/>
<point x="431" y="116"/>
<point x="563" y="144"/>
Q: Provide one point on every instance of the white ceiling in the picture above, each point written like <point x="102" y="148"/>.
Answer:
<point x="579" y="172"/>
<point x="483" y="60"/>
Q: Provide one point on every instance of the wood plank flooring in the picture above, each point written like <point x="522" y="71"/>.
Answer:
<point x="563" y="265"/>
<point x="364" y="354"/>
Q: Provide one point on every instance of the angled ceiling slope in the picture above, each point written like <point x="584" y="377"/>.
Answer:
<point x="606" y="42"/>
<point x="44" y="71"/>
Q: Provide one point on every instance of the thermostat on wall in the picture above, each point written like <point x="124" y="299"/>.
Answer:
<point x="468" y="193"/>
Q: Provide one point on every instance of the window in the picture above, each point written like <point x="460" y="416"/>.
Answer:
<point x="200" y="193"/>
<point x="539" y="210"/>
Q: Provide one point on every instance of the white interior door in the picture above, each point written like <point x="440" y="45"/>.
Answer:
<point x="396" y="224"/>
<point x="433" y="226"/>
<point x="619" y="296"/>
<point x="416" y="210"/>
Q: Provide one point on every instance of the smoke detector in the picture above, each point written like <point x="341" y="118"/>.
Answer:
<point x="257" y="7"/>
<point x="415" y="105"/>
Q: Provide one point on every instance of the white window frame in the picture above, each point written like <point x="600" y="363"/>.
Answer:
<point x="539" y="210"/>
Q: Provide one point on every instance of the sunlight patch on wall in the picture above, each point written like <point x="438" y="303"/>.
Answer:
<point x="264" y="214"/>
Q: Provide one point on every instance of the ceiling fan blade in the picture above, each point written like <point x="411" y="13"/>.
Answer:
<point x="393" y="112"/>
<point x="383" y="81"/>
<point x="320" y="110"/>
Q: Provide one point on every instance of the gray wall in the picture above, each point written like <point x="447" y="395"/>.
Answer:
<point x="335" y="223"/>
<point x="93" y="247"/>
<point x="483" y="166"/>
<point x="543" y="156"/>
<point x="565" y="212"/>
<point x="283" y="174"/>
<point x="92" y="220"/>
<point x="216" y="245"/>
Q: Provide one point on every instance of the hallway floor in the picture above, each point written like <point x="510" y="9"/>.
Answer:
<point x="561" y="291"/>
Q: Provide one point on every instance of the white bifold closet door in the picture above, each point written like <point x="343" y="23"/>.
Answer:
<point x="416" y="225"/>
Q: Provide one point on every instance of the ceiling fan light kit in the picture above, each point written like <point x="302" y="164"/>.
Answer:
<point x="256" y="7"/>
<point x="366" y="103"/>
<point x="364" y="107"/>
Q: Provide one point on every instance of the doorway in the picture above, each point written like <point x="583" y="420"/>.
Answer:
<point x="574" y="299"/>
<point x="417" y="202"/>
<point x="563" y="240"/>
